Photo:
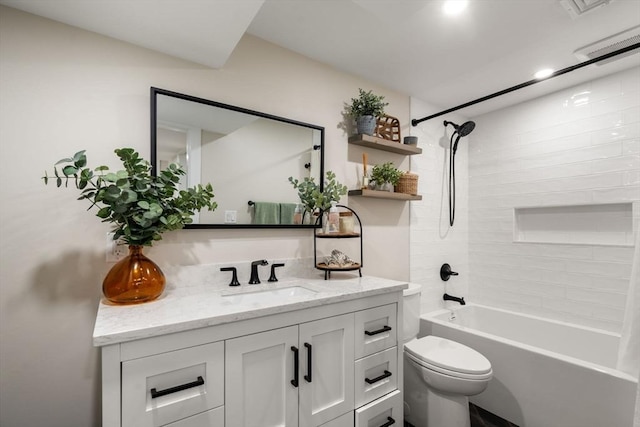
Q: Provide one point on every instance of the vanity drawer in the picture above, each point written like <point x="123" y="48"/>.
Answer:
<point x="375" y="330"/>
<point x="344" y="421"/>
<point x="212" y="418"/>
<point x="168" y="387"/>
<point x="376" y="375"/>
<point x="384" y="412"/>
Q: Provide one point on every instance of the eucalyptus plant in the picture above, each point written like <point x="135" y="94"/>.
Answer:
<point x="311" y="196"/>
<point x="139" y="205"/>
<point x="367" y="104"/>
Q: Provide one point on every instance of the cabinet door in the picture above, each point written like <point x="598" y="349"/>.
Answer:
<point x="327" y="369"/>
<point x="258" y="373"/>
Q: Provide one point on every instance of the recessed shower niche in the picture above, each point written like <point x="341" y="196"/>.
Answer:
<point x="597" y="224"/>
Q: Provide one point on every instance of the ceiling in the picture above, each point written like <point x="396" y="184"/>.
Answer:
<point x="406" y="45"/>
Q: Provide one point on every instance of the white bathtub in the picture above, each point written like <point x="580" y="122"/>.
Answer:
<point x="546" y="373"/>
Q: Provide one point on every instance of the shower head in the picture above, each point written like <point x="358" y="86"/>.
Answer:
<point x="463" y="130"/>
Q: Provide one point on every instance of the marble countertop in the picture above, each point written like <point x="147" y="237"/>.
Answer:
<point x="182" y="308"/>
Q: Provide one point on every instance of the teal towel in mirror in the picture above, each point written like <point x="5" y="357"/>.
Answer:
<point x="286" y="212"/>
<point x="266" y="213"/>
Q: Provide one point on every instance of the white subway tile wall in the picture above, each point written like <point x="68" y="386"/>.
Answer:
<point x="580" y="146"/>
<point x="432" y="241"/>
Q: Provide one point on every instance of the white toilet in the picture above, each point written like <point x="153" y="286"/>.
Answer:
<point x="439" y="374"/>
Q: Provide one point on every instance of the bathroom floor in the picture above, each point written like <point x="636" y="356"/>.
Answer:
<point x="482" y="418"/>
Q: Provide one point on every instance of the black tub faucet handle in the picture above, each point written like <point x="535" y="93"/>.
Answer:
<point x="445" y="272"/>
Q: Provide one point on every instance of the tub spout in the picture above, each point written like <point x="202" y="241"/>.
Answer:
<point x="448" y="297"/>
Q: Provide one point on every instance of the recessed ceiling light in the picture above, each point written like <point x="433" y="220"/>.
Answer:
<point x="543" y="74"/>
<point x="454" y="7"/>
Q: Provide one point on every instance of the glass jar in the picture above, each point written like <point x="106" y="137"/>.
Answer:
<point x="347" y="222"/>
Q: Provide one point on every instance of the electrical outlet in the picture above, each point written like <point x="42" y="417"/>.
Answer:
<point x="116" y="249"/>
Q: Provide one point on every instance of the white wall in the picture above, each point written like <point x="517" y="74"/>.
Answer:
<point x="580" y="146"/>
<point x="433" y="241"/>
<point x="62" y="90"/>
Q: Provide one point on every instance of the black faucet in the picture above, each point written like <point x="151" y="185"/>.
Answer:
<point x="273" y="277"/>
<point x="448" y="297"/>
<point x="255" y="279"/>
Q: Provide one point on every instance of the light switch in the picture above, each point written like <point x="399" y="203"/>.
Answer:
<point x="230" y="217"/>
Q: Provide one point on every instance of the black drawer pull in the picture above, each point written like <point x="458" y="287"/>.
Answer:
<point x="390" y="422"/>
<point x="309" y="365"/>
<point x="296" y="362"/>
<point x="196" y="383"/>
<point x="379" y="331"/>
<point x="386" y="374"/>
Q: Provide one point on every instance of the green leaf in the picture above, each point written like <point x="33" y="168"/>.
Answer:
<point x="64" y="161"/>
<point x="104" y="212"/>
<point x="143" y="204"/>
<point x="69" y="170"/>
<point x="111" y="177"/>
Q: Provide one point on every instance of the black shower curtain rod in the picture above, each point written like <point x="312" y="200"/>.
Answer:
<point x="415" y="122"/>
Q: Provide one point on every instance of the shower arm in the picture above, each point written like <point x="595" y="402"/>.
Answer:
<point x="415" y="122"/>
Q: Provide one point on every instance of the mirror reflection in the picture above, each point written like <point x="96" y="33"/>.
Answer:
<point x="246" y="155"/>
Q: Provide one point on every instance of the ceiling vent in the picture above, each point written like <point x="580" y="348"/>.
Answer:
<point x="578" y="7"/>
<point x="610" y="44"/>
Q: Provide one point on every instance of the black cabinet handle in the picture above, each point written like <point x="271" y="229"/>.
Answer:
<point x="296" y="362"/>
<point x="309" y="362"/>
<point x="379" y="331"/>
<point x="196" y="383"/>
<point x="390" y="422"/>
<point x="386" y="374"/>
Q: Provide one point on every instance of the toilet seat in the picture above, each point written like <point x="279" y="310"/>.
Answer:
<point x="449" y="358"/>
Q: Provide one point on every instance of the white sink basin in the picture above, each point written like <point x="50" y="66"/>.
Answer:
<point x="269" y="295"/>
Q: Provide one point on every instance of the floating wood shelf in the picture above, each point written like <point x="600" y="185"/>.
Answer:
<point x="384" y="144"/>
<point x="384" y="195"/>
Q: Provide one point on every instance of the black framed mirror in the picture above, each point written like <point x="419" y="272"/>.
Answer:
<point x="246" y="155"/>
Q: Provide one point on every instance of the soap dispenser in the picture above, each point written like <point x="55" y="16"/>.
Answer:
<point x="297" y="215"/>
<point x="334" y="218"/>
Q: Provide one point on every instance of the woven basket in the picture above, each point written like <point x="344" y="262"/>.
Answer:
<point x="407" y="184"/>
<point x="388" y="128"/>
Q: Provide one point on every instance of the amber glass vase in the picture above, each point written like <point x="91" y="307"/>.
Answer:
<point x="134" y="279"/>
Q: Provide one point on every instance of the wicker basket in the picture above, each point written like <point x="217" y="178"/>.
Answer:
<point x="388" y="128"/>
<point x="407" y="184"/>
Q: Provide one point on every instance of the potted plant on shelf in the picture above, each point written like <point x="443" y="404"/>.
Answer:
<point x="315" y="200"/>
<point x="385" y="176"/>
<point x="366" y="108"/>
<point x="141" y="207"/>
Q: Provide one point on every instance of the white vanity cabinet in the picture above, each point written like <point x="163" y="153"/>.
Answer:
<point x="319" y="363"/>
<point x="295" y="376"/>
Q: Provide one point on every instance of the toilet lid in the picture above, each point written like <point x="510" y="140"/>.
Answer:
<point x="448" y="354"/>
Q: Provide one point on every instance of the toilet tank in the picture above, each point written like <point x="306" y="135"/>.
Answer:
<point x="411" y="311"/>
